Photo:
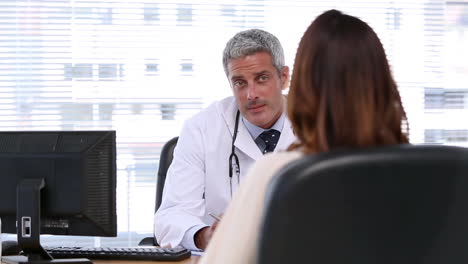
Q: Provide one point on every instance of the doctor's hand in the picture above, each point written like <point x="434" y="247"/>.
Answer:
<point x="203" y="236"/>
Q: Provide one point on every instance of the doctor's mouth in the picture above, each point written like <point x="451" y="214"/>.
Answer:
<point x="256" y="108"/>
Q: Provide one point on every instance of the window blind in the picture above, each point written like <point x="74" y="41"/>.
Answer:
<point x="142" y="67"/>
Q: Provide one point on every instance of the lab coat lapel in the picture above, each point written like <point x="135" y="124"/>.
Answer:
<point x="287" y="136"/>
<point x="244" y="141"/>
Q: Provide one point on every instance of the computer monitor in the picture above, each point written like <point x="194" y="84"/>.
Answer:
<point x="56" y="182"/>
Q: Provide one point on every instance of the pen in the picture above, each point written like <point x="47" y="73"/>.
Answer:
<point x="215" y="217"/>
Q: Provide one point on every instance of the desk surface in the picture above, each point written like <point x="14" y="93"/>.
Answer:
<point x="191" y="260"/>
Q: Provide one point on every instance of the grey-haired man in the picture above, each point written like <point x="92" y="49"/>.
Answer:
<point x="217" y="146"/>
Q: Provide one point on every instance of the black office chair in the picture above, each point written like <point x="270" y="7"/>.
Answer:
<point x="165" y="161"/>
<point x="400" y="204"/>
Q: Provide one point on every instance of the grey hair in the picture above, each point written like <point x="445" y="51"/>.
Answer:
<point x="251" y="41"/>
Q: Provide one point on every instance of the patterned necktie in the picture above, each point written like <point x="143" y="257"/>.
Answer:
<point x="270" y="137"/>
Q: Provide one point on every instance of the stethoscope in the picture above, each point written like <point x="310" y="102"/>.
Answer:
<point x="233" y="159"/>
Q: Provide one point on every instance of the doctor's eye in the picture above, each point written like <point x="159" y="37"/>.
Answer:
<point x="263" y="78"/>
<point x="238" y="83"/>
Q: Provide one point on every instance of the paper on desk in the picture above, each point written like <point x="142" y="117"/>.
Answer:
<point x="198" y="253"/>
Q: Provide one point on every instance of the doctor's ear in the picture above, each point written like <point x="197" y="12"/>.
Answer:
<point x="284" y="77"/>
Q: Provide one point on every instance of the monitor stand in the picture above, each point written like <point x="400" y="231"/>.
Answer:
<point x="28" y="217"/>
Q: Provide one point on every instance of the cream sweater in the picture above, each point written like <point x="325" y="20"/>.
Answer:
<point x="235" y="239"/>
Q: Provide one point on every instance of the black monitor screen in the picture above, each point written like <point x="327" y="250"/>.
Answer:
<point x="78" y="172"/>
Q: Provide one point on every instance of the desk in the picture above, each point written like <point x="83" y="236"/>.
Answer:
<point x="191" y="260"/>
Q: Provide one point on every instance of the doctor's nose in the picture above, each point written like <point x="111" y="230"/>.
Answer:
<point x="252" y="92"/>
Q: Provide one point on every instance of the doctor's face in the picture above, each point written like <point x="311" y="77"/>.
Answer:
<point x="257" y="87"/>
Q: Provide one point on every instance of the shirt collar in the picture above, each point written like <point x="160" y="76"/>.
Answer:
<point x="255" y="131"/>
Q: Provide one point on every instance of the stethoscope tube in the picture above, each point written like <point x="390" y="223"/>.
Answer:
<point x="233" y="156"/>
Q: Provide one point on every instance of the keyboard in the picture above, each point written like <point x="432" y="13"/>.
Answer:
<point x="120" y="253"/>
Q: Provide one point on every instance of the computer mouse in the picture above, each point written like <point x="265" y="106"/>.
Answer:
<point x="10" y="248"/>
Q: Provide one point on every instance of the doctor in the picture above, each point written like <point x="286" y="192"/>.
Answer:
<point x="217" y="146"/>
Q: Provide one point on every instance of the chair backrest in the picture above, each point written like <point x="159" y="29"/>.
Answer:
<point x="399" y="204"/>
<point x="165" y="160"/>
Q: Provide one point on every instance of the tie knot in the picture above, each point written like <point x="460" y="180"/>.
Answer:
<point x="270" y="138"/>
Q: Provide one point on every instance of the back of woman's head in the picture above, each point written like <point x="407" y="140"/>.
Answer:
<point x="342" y="92"/>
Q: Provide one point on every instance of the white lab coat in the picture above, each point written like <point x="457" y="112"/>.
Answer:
<point x="197" y="181"/>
